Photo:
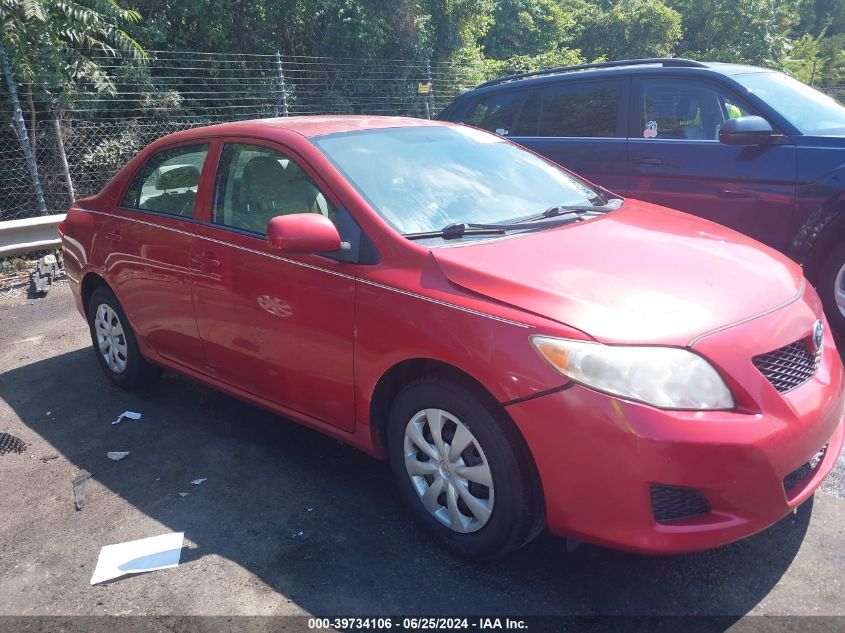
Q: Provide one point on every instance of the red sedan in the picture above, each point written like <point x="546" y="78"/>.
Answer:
<point x="527" y="349"/>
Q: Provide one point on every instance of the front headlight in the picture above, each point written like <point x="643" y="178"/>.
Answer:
<point x="666" y="377"/>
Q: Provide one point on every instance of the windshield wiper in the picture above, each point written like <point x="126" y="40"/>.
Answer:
<point x="457" y="230"/>
<point x="578" y="210"/>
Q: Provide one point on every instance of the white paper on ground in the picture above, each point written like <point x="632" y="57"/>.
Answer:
<point x="135" y="557"/>
<point x="197" y="482"/>
<point x="117" y="455"/>
<point x="128" y="415"/>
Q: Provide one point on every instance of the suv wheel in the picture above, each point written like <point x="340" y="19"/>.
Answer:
<point x="831" y="287"/>
<point x="463" y="469"/>
<point x="115" y="344"/>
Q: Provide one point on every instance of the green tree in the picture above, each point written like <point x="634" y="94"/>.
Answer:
<point x="527" y="27"/>
<point x="803" y="60"/>
<point x="49" y="46"/>
<point x="629" y="29"/>
<point x="745" y="31"/>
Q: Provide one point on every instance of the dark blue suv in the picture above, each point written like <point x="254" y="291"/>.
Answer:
<point x="747" y="147"/>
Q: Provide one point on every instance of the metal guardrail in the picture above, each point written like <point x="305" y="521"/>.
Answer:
<point x="18" y="237"/>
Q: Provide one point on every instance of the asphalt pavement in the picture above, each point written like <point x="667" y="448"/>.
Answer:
<point x="291" y="522"/>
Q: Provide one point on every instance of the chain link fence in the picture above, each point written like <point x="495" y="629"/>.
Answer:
<point x="177" y="90"/>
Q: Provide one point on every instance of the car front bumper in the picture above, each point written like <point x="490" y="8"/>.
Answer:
<point x="598" y="457"/>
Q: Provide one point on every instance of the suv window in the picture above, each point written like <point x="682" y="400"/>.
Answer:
<point x="255" y="184"/>
<point x="496" y="112"/>
<point x="687" y="110"/>
<point x="587" y="109"/>
<point x="168" y="182"/>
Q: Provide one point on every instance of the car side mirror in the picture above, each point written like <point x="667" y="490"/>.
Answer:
<point x="746" y="130"/>
<point x="303" y="233"/>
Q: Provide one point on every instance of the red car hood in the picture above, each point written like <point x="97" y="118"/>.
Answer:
<point x="643" y="274"/>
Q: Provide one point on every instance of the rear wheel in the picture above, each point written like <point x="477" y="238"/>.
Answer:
<point x="831" y="287"/>
<point x="463" y="469"/>
<point x="115" y="344"/>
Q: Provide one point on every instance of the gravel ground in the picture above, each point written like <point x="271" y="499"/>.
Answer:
<point x="291" y="522"/>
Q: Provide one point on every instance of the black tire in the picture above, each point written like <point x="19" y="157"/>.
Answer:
<point x="517" y="510"/>
<point x="828" y="272"/>
<point x="137" y="372"/>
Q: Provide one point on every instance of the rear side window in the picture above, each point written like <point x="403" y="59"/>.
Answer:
<point x="169" y="181"/>
<point x="496" y="112"/>
<point x="586" y="109"/>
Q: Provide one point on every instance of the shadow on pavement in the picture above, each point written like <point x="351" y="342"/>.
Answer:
<point x="321" y="523"/>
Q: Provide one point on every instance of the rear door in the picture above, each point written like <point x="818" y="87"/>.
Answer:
<point x="147" y="245"/>
<point x="277" y="325"/>
<point x="676" y="159"/>
<point x="578" y="124"/>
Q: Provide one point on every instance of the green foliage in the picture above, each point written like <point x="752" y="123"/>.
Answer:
<point x="111" y="154"/>
<point x="52" y="43"/>
<point x="746" y="31"/>
<point x="803" y="61"/>
<point x="524" y="63"/>
<point x="629" y="29"/>
<point x="527" y="27"/>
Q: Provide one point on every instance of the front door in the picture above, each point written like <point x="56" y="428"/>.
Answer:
<point x="276" y="325"/>
<point x="676" y="160"/>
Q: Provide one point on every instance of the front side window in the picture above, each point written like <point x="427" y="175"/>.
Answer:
<point x="812" y="112"/>
<point x="169" y="181"/>
<point x="686" y="110"/>
<point x="425" y="178"/>
<point x="588" y="109"/>
<point x="496" y="112"/>
<point x="255" y="184"/>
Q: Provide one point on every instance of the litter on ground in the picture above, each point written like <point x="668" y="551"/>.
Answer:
<point x="197" y="482"/>
<point x="127" y="415"/>
<point x="117" y="455"/>
<point x="79" y="488"/>
<point x="135" y="557"/>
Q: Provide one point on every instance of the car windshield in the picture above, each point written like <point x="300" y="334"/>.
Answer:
<point x="812" y="112"/>
<point x="429" y="177"/>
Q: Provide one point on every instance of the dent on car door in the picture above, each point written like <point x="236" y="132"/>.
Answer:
<point x="678" y="161"/>
<point x="149" y="242"/>
<point x="276" y="325"/>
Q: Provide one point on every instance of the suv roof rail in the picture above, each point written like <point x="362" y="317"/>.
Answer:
<point x="675" y="62"/>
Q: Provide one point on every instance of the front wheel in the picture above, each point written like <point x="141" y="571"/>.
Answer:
<point x="115" y="344"/>
<point x="831" y="287"/>
<point x="463" y="469"/>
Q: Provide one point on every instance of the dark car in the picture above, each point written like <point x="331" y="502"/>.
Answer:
<point x="747" y="147"/>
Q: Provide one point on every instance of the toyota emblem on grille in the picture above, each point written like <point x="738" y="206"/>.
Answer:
<point x="818" y="335"/>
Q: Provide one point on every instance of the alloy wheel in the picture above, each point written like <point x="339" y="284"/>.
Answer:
<point x="448" y="470"/>
<point x="839" y="290"/>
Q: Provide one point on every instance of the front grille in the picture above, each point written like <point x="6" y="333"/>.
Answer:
<point x="789" y="366"/>
<point x="800" y="474"/>
<point x="672" y="503"/>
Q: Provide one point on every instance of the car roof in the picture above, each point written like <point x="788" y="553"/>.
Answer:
<point x="308" y="126"/>
<point x="613" y="69"/>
